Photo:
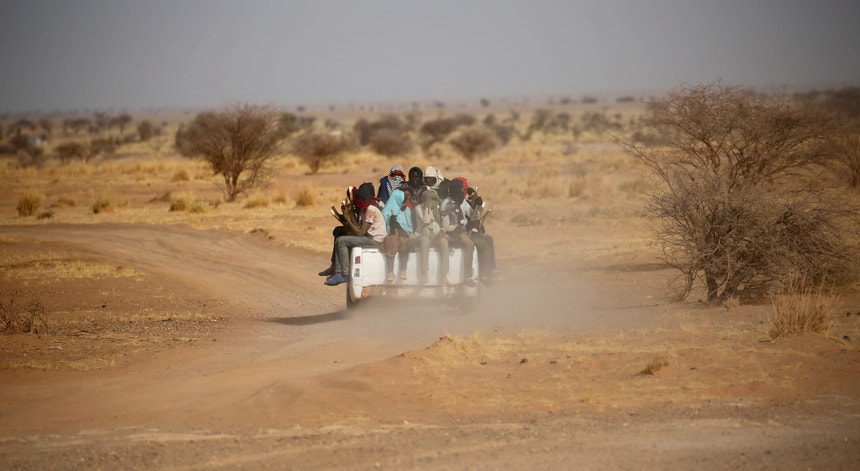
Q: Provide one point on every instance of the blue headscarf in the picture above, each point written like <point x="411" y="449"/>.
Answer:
<point x="392" y="208"/>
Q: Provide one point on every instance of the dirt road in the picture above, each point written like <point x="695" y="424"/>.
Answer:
<point x="289" y="380"/>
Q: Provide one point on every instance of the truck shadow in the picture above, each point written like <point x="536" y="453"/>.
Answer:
<point x="312" y="319"/>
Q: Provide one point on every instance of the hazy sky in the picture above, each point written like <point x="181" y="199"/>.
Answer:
<point x="102" y="54"/>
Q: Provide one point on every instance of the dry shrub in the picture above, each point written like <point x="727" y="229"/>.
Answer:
<point x="474" y="141"/>
<point x="181" y="175"/>
<point x="103" y="204"/>
<point x="30" y="317"/>
<point x="654" y="366"/>
<point x="282" y="198"/>
<point x="305" y="198"/>
<point x="187" y="202"/>
<point x="390" y="142"/>
<point x="315" y="149"/>
<point x="802" y="309"/>
<point x="29" y="202"/>
<point x="257" y="201"/>
<point x="45" y="215"/>
<point x="238" y="143"/>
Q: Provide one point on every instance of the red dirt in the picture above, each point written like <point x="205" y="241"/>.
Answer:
<point x="228" y="352"/>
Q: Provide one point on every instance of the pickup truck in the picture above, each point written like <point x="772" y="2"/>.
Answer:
<point x="367" y="279"/>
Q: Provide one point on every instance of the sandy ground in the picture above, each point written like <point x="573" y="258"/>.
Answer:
<point x="223" y="350"/>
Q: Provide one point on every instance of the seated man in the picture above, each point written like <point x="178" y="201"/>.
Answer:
<point x="398" y="222"/>
<point x="429" y="230"/>
<point x="475" y="215"/>
<point x="369" y="231"/>
<point x="454" y="221"/>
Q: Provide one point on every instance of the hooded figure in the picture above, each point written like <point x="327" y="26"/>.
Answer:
<point x="414" y="186"/>
<point x="396" y="213"/>
<point x="402" y="215"/>
<point x="391" y="182"/>
<point x="432" y="172"/>
<point x="427" y="225"/>
<point x="363" y="196"/>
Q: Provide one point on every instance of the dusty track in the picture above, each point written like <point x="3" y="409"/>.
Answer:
<point x="294" y="381"/>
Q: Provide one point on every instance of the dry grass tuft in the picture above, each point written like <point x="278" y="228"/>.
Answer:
<point x="802" y="309"/>
<point x="29" y="202"/>
<point x="181" y="175"/>
<point x="30" y="317"/>
<point x="187" y="202"/>
<point x="257" y="201"/>
<point x="654" y="366"/>
<point x="282" y="199"/>
<point x="305" y="198"/>
<point x="103" y="203"/>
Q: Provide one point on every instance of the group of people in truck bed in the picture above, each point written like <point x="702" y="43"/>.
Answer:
<point x="413" y="213"/>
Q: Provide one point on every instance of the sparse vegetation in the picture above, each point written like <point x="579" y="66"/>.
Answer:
<point x="186" y="202"/>
<point x="103" y="203"/>
<point x="305" y="198"/>
<point x="23" y="318"/>
<point x="802" y="309"/>
<point x="238" y="142"/>
<point x="29" y="202"/>
<point x="317" y="148"/>
<point x="474" y="141"/>
<point x="735" y="204"/>
<point x="257" y="201"/>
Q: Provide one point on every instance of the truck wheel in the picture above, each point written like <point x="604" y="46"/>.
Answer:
<point x="350" y="304"/>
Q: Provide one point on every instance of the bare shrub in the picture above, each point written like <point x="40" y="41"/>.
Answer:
<point x="146" y="130"/>
<point x="474" y="141"/>
<point x="733" y="202"/>
<point x="388" y="136"/>
<point x="7" y="149"/>
<point x="846" y="150"/>
<point x="436" y="131"/>
<point x="291" y="124"/>
<point x="238" y="142"/>
<point x="547" y="121"/>
<point x="802" y="309"/>
<point x="29" y="317"/>
<point x="390" y="142"/>
<point x="69" y="151"/>
<point x="29" y="202"/>
<point x="316" y="148"/>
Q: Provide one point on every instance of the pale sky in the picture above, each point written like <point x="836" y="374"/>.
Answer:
<point x="61" y="55"/>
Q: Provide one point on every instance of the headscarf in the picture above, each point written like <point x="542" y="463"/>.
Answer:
<point x="363" y="196"/>
<point x="430" y="200"/>
<point x="434" y="172"/>
<point x="420" y="177"/>
<point x="392" y="208"/>
<point x="455" y="191"/>
<point x="414" y="189"/>
<point x="394" y="179"/>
